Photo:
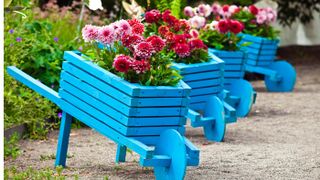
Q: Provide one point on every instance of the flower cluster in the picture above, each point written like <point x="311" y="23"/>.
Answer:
<point x="227" y="25"/>
<point x="129" y="34"/>
<point x="262" y="15"/>
<point x="179" y="36"/>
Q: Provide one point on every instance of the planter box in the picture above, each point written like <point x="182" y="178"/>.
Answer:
<point x="205" y="79"/>
<point x="234" y="64"/>
<point x="261" y="51"/>
<point x="140" y="112"/>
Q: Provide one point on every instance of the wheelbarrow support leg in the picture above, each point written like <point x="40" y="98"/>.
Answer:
<point x="121" y="153"/>
<point x="63" y="141"/>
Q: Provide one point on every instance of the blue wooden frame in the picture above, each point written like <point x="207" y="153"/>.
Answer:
<point x="125" y="119"/>
<point x="280" y="76"/>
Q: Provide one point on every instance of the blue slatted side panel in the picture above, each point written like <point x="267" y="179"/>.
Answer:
<point x="131" y="89"/>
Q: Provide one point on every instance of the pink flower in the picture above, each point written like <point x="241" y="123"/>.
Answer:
<point x="180" y="39"/>
<point x="197" y="22"/>
<point x="203" y="10"/>
<point x="163" y="30"/>
<point x="137" y="26"/>
<point x="182" y="50"/>
<point x="216" y="8"/>
<point x="152" y="16"/>
<point x="261" y="17"/>
<point x="122" y="63"/>
<point x="197" y="44"/>
<point x="106" y="35"/>
<point x="235" y="26"/>
<point x="90" y="33"/>
<point x="143" y="50"/>
<point x="194" y="33"/>
<point x="140" y="66"/>
<point x="213" y="25"/>
<point x="157" y="42"/>
<point x="184" y="25"/>
<point x="223" y="26"/>
<point x="188" y="11"/>
<point x="271" y="15"/>
<point x="233" y="9"/>
<point x="123" y="28"/>
<point x="224" y="11"/>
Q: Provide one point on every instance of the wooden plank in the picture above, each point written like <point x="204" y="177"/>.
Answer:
<point x="226" y="54"/>
<point x="198" y="67"/>
<point x="206" y="90"/>
<point x="231" y="67"/>
<point x="202" y="76"/>
<point x="33" y="84"/>
<point x="259" y="63"/>
<point x="202" y="98"/>
<point x="198" y="105"/>
<point x="205" y="83"/>
<point x="105" y="130"/>
<point x="132" y="89"/>
<point x="261" y="58"/>
<point x="109" y="94"/>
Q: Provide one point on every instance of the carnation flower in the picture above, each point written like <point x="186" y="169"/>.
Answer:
<point x="235" y="26"/>
<point x="106" y="35"/>
<point x="216" y="8"/>
<point x="184" y="25"/>
<point x="163" y="30"/>
<point x="182" y="50"/>
<point x="271" y="14"/>
<point x="261" y="17"/>
<point x="90" y="33"/>
<point x="197" y="44"/>
<point x="180" y="38"/>
<point x="122" y="63"/>
<point x="157" y="42"/>
<point x="188" y="11"/>
<point x="123" y="28"/>
<point x="143" y="50"/>
<point x="140" y="66"/>
<point x="197" y="22"/>
<point x="234" y="9"/>
<point x="253" y="9"/>
<point x="169" y="37"/>
<point x="152" y="16"/>
<point x="223" y="26"/>
<point x="130" y="41"/>
<point x="224" y="11"/>
<point x="137" y="26"/>
<point x="194" y="33"/>
<point x="204" y="10"/>
<point x="168" y="18"/>
<point x="213" y="25"/>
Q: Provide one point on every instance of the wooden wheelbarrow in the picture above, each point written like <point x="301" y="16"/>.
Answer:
<point x="148" y="120"/>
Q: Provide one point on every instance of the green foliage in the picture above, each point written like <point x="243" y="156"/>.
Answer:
<point x="174" y="5"/>
<point x="220" y="41"/>
<point x="262" y="30"/>
<point x="31" y="173"/>
<point x="163" y="5"/>
<point x="176" y="8"/>
<point x="11" y="148"/>
<point x="196" y="56"/>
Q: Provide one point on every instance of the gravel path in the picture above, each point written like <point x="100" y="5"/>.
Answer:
<point x="279" y="140"/>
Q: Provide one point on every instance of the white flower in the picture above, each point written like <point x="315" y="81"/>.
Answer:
<point x="95" y="5"/>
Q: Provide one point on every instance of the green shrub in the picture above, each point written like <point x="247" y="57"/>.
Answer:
<point x="11" y="148"/>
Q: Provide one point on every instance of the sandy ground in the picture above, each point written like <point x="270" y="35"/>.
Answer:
<point x="279" y="140"/>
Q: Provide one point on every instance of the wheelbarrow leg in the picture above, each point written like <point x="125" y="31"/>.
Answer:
<point x="63" y="140"/>
<point x="121" y="153"/>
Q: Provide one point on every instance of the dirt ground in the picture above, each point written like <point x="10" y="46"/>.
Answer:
<point x="279" y="140"/>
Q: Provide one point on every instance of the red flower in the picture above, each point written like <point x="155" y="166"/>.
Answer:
<point x="169" y="37"/>
<point x="225" y="8"/>
<point x="137" y="26"/>
<point x="156" y="42"/>
<point x="184" y="25"/>
<point x="152" y="16"/>
<point x="169" y="19"/>
<point x="163" y="30"/>
<point x="180" y="38"/>
<point x="140" y="66"/>
<point x="253" y="9"/>
<point x="183" y="50"/>
<point x="143" y="50"/>
<point x="130" y="41"/>
<point x="197" y="44"/>
<point x="235" y="26"/>
<point x="223" y="26"/>
<point x="122" y="63"/>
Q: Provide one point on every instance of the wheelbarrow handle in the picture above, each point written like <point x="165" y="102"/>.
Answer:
<point x="34" y="84"/>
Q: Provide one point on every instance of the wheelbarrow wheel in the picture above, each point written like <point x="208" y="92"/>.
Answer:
<point x="244" y="90"/>
<point x="173" y="145"/>
<point x="288" y="74"/>
<point x="215" y="130"/>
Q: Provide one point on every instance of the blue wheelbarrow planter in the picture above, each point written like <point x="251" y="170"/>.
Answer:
<point x="280" y="76"/>
<point x="238" y="92"/>
<point x="206" y="81"/>
<point x="147" y="119"/>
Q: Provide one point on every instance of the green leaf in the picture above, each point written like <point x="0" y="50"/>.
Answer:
<point x="7" y="3"/>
